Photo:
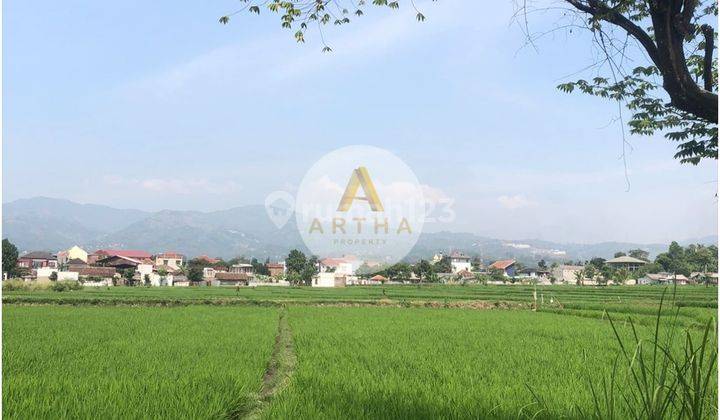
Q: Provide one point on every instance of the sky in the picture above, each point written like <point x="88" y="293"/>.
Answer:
<point x="155" y="105"/>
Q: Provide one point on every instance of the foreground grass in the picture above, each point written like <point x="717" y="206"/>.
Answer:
<point x="338" y="353"/>
<point x="133" y="362"/>
<point x="441" y="363"/>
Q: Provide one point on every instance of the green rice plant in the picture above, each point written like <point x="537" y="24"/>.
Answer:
<point x="662" y="380"/>
<point x="133" y="362"/>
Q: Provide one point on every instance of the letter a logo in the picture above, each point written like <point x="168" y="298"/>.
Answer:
<point x="360" y="177"/>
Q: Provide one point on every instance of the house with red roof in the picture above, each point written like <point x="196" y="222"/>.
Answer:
<point x="507" y="267"/>
<point x="342" y="266"/>
<point x="209" y="260"/>
<point x="128" y="253"/>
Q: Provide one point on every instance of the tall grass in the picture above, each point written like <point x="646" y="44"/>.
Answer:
<point x="672" y="374"/>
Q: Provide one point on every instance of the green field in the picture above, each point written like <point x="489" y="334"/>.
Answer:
<point x="359" y="352"/>
<point x="133" y="362"/>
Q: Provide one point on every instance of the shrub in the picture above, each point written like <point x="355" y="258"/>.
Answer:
<point x="65" y="285"/>
<point x="12" y="285"/>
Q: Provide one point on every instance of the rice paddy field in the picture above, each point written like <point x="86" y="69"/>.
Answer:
<point x="132" y="362"/>
<point x="357" y="352"/>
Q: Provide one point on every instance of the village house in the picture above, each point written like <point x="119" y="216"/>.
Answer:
<point x="465" y="275"/>
<point x="75" y="263"/>
<point x="341" y="266"/>
<point x="99" y="274"/>
<point x="538" y="274"/>
<point x="209" y="273"/>
<point x="378" y="279"/>
<point x="120" y="262"/>
<point x="460" y="262"/>
<point x="507" y="267"/>
<point x="329" y="279"/>
<point x="129" y="253"/>
<point x="276" y="269"/>
<point x="566" y="273"/>
<point x="700" y="277"/>
<point x="626" y="262"/>
<point x="74" y="253"/>
<point x="209" y="260"/>
<point x="169" y="259"/>
<point x="178" y="280"/>
<point x="44" y="274"/>
<point x="241" y="268"/>
<point x="37" y="259"/>
<point x="231" y="279"/>
<point x="663" y="278"/>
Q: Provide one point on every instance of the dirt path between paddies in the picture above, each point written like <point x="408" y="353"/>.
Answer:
<point x="277" y="375"/>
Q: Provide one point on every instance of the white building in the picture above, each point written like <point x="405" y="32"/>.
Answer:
<point x="460" y="262"/>
<point x="340" y="266"/>
<point x="170" y="259"/>
<point x="44" y="273"/>
<point x="241" y="268"/>
<point x="325" y="279"/>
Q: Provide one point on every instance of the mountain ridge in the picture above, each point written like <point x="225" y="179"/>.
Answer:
<point x="43" y="223"/>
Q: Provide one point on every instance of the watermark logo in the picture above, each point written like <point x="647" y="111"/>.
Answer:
<point x="279" y="206"/>
<point x="360" y="178"/>
<point x="362" y="201"/>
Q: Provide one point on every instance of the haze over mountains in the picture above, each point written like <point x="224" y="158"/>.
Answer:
<point x="54" y="224"/>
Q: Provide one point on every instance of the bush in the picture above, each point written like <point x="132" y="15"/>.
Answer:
<point x="65" y="285"/>
<point x="13" y="285"/>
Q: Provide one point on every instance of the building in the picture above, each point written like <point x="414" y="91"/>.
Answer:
<point x="534" y="273"/>
<point x="626" y="262"/>
<point x="44" y="273"/>
<point x="276" y="269"/>
<point x="241" y="268"/>
<point x="341" y="266"/>
<point x="460" y="262"/>
<point x="121" y="263"/>
<point x="37" y="259"/>
<point x="231" y="279"/>
<point x="209" y="272"/>
<point x="88" y="272"/>
<point x="663" y="278"/>
<point x="130" y="253"/>
<point x="207" y="259"/>
<point x="179" y="280"/>
<point x="170" y="259"/>
<point x="378" y="278"/>
<point x="566" y="273"/>
<point x="75" y="263"/>
<point x="328" y="279"/>
<point x="465" y="275"/>
<point x="507" y="267"/>
<point x="700" y="277"/>
<point x="74" y="253"/>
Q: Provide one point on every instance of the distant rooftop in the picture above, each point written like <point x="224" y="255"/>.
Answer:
<point x="502" y="264"/>
<point x="625" y="260"/>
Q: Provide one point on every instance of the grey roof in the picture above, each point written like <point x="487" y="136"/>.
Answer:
<point x="39" y="255"/>
<point x="625" y="260"/>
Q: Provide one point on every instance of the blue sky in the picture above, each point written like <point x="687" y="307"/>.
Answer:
<point x="155" y="105"/>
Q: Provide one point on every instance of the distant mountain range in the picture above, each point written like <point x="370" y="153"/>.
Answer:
<point x="53" y="224"/>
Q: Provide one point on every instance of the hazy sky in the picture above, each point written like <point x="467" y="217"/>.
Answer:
<point x="155" y="105"/>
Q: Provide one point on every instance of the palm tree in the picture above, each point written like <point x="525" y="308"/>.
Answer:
<point x="579" y="276"/>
